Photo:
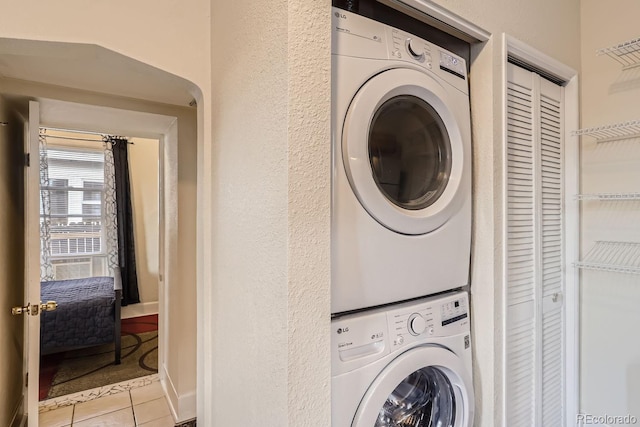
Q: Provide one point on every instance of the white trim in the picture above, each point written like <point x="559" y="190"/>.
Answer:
<point x="515" y="48"/>
<point x="504" y="226"/>
<point x="572" y="250"/>
<point x="525" y="53"/>
<point x="536" y="163"/>
<point x="137" y="310"/>
<point x="32" y="263"/>
<point x="187" y="404"/>
<point x="169" y="391"/>
<point x="184" y="405"/>
<point x="435" y="15"/>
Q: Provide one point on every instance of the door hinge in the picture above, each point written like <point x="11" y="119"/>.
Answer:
<point x="26" y="379"/>
<point x="27" y="159"/>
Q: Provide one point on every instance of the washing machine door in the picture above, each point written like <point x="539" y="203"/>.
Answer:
<point x="424" y="387"/>
<point x="403" y="150"/>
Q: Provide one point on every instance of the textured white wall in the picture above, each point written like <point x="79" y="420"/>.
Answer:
<point x="11" y="264"/>
<point x="309" y="191"/>
<point x="250" y="213"/>
<point x="271" y="213"/>
<point x="610" y="356"/>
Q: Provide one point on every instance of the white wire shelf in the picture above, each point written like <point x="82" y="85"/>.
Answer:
<point x="610" y="133"/>
<point x="626" y="54"/>
<point x="618" y="257"/>
<point x="606" y="197"/>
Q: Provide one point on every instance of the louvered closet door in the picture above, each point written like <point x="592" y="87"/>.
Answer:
<point x="533" y="266"/>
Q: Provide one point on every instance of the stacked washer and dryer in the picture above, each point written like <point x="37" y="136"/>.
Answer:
<point x="401" y="229"/>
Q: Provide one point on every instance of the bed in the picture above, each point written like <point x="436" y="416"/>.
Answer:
<point x="88" y="314"/>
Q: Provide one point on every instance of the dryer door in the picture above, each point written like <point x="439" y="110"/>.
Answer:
<point x="403" y="151"/>
<point x="423" y="387"/>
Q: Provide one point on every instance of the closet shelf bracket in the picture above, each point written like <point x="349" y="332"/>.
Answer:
<point x="609" y="197"/>
<point x="611" y="133"/>
<point x="626" y="54"/>
<point x="618" y="257"/>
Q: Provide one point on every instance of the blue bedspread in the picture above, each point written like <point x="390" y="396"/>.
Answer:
<point x="84" y="317"/>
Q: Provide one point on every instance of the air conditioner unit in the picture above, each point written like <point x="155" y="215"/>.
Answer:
<point x="72" y="269"/>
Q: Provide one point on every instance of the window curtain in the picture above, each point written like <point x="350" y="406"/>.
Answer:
<point x="111" y="216"/>
<point x="46" y="268"/>
<point x="124" y="219"/>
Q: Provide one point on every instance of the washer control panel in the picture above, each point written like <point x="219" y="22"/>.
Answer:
<point x="361" y="338"/>
<point x="431" y="317"/>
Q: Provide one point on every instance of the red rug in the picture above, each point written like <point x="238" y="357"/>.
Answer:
<point x="138" y="325"/>
<point x="49" y="363"/>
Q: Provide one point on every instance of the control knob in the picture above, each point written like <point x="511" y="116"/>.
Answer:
<point x="417" y="324"/>
<point x="415" y="49"/>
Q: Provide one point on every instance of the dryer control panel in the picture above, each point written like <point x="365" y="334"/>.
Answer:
<point x="356" y="36"/>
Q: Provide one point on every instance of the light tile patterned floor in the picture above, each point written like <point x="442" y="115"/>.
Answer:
<point x="144" y="406"/>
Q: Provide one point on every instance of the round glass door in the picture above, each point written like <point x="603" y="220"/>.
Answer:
<point x="427" y="386"/>
<point x="409" y="152"/>
<point x="425" y="398"/>
<point x="404" y="152"/>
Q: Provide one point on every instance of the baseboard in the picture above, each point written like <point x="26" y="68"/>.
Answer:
<point x="169" y="391"/>
<point x="187" y="407"/>
<point x="18" y="419"/>
<point x="141" y="309"/>
<point x="183" y="407"/>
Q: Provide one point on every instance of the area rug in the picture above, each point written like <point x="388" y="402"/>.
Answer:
<point x="84" y="369"/>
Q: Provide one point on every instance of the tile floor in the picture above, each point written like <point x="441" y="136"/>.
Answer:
<point x="144" y="406"/>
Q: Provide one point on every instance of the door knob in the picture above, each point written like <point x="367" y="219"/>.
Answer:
<point x="48" y="306"/>
<point x="16" y="311"/>
<point x="35" y="309"/>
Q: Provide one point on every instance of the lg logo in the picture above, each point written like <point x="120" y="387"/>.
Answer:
<point x="340" y="15"/>
<point x="343" y="330"/>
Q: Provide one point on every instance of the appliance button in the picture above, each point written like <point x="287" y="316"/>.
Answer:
<point x="400" y="340"/>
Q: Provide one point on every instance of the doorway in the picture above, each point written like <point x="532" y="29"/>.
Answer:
<point x="176" y="218"/>
<point x="78" y="250"/>
<point x="102" y="90"/>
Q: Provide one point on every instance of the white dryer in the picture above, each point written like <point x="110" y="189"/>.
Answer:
<point x="407" y="365"/>
<point x="401" y="183"/>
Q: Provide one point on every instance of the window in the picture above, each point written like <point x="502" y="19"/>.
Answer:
<point x="59" y="198"/>
<point x="92" y="198"/>
<point x="76" y="178"/>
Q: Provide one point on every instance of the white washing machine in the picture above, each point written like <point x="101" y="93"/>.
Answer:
<point x="401" y="184"/>
<point x="407" y="365"/>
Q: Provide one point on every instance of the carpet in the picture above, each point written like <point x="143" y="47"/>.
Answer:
<point x="73" y="371"/>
